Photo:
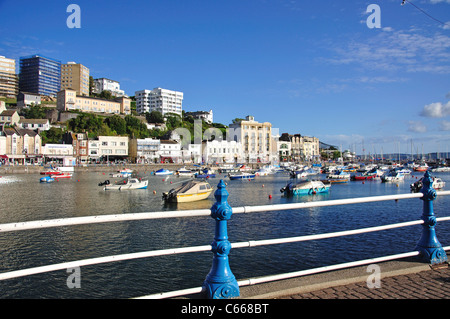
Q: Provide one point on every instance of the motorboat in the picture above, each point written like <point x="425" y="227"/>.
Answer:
<point x="392" y="176"/>
<point x="62" y="175"/>
<point x="47" y="179"/>
<point x="125" y="184"/>
<point x="242" y="175"/>
<point x="340" y="177"/>
<point x="421" y="168"/>
<point x="163" y="171"/>
<point x="438" y="183"/>
<point x="306" y="188"/>
<point x="441" y="169"/>
<point x="190" y="191"/>
<point x="206" y="173"/>
<point x="184" y="172"/>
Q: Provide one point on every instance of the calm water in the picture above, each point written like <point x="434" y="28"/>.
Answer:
<point x="23" y="198"/>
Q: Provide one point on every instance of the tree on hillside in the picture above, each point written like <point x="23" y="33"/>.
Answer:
<point x="118" y="124"/>
<point x="86" y="122"/>
<point x="154" y="117"/>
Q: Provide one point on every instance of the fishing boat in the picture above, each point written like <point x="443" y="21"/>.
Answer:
<point x="242" y="175"/>
<point x="163" y="171"/>
<point x="128" y="183"/>
<point x="438" y="183"/>
<point x="190" y="191"/>
<point x="306" y="188"/>
<point x="340" y="177"/>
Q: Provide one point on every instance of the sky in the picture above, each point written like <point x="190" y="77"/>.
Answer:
<point x="314" y="68"/>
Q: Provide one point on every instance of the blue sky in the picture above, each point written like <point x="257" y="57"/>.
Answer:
<point x="308" y="67"/>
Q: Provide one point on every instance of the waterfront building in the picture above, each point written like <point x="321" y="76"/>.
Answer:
<point x="57" y="151"/>
<point x="22" y="145"/>
<point x="26" y="99"/>
<point x="40" y="75"/>
<point x="75" y="76"/>
<point x="34" y="124"/>
<point x="158" y="99"/>
<point x="303" y="148"/>
<point x="109" y="148"/>
<point x="283" y="150"/>
<point x="144" y="150"/>
<point x="104" y="84"/>
<point x="170" y="151"/>
<point x="69" y="100"/>
<point x="9" y="82"/>
<point x="222" y="152"/>
<point x="79" y="142"/>
<point x="201" y="115"/>
<point x="255" y="138"/>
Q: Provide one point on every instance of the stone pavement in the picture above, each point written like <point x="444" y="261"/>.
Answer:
<point x="399" y="279"/>
<point x="427" y="284"/>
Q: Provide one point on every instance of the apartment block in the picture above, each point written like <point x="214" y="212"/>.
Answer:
<point x="40" y="75"/>
<point x="104" y="84"/>
<point x="158" y="99"/>
<point x="68" y="99"/>
<point x="9" y="82"/>
<point x="75" y="76"/>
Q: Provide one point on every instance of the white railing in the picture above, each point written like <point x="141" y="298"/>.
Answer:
<point x="206" y="212"/>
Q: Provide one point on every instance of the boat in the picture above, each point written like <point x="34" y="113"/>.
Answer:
<point x="306" y="188"/>
<point x="206" y="173"/>
<point x="163" y="171"/>
<point x="190" y="191"/>
<point x="364" y="176"/>
<point x="421" y="168"/>
<point x="51" y="171"/>
<point x="392" y="176"/>
<point x="125" y="184"/>
<point x="438" y="183"/>
<point x="441" y="169"/>
<point x="62" y="175"/>
<point x="47" y="179"/>
<point x="184" y="172"/>
<point x="242" y="175"/>
<point x="340" y="177"/>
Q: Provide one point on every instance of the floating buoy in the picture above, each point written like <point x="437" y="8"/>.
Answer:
<point x="154" y="192"/>
<point x="78" y="180"/>
<point x="170" y="182"/>
<point x="270" y="196"/>
<point x="262" y="185"/>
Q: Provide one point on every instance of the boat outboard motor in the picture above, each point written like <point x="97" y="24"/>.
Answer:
<point x="104" y="183"/>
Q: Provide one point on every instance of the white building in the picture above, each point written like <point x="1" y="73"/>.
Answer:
<point x="34" y="124"/>
<point x="170" y="151"/>
<point x="202" y="115"/>
<point x="103" y="84"/>
<point x="158" y="99"/>
<point x="57" y="150"/>
<point x="222" y="152"/>
<point x="147" y="150"/>
<point x="108" y="147"/>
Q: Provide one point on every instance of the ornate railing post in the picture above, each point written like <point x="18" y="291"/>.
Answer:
<point x="220" y="283"/>
<point x="429" y="246"/>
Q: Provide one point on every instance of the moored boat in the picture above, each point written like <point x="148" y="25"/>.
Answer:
<point x="126" y="184"/>
<point x="190" y="191"/>
<point x="47" y="179"/>
<point x="392" y="176"/>
<point x="341" y="177"/>
<point x="242" y="175"/>
<point x="163" y="171"/>
<point x="438" y="183"/>
<point x="306" y="188"/>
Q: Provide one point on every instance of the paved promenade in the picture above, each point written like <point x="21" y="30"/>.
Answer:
<point x="400" y="279"/>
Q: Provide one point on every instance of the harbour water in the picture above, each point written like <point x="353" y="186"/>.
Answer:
<point x="23" y="198"/>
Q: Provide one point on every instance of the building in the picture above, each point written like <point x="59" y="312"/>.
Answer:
<point x="201" y="115"/>
<point x="170" y="151"/>
<point x="22" y="146"/>
<point x="40" y="75"/>
<point x="255" y="138"/>
<point x="75" y="76"/>
<point x="9" y="117"/>
<point x="144" y="150"/>
<point x="222" y="152"/>
<point x="104" y="84"/>
<point x="158" y="99"/>
<point x="9" y="82"/>
<point x="79" y="142"/>
<point x="34" y="124"/>
<point x="69" y="100"/>
<point x="108" y="148"/>
<point x="303" y="148"/>
<point x="26" y="99"/>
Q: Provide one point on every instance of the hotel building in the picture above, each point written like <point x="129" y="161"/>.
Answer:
<point x="255" y="138"/>
<point x="9" y="83"/>
<point x="40" y="75"/>
<point x="69" y="100"/>
<point x="75" y="76"/>
<point x="158" y="99"/>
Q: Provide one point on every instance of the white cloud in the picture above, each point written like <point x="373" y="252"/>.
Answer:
<point x="416" y="127"/>
<point x="436" y="110"/>
<point x="445" y="126"/>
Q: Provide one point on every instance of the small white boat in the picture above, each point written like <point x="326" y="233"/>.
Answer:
<point x="441" y="169"/>
<point x="392" y="176"/>
<point x="125" y="184"/>
<point x="242" y="175"/>
<point x="184" y="172"/>
<point x="190" y="191"/>
<point x="306" y="188"/>
<point x="163" y="171"/>
<point x="438" y="183"/>
<point x="47" y="179"/>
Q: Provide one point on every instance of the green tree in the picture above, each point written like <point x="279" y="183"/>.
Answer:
<point x="86" y="122"/>
<point x="118" y="124"/>
<point x="154" y="117"/>
<point x="53" y="135"/>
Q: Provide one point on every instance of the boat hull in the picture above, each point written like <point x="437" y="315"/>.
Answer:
<point x="187" y="198"/>
<point x="128" y="186"/>
<point x="235" y="177"/>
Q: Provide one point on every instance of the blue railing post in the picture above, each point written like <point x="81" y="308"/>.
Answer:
<point x="220" y="283"/>
<point x="429" y="246"/>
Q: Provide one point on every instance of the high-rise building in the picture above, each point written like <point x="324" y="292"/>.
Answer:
<point x="158" y="99"/>
<point x="40" y="74"/>
<point x="9" y="83"/>
<point x="75" y="76"/>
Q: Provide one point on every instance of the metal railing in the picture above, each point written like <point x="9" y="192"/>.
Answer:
<point x="220" y="282"/>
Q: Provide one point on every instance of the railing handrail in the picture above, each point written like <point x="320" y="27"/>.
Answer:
<point x="195" y="213"/>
